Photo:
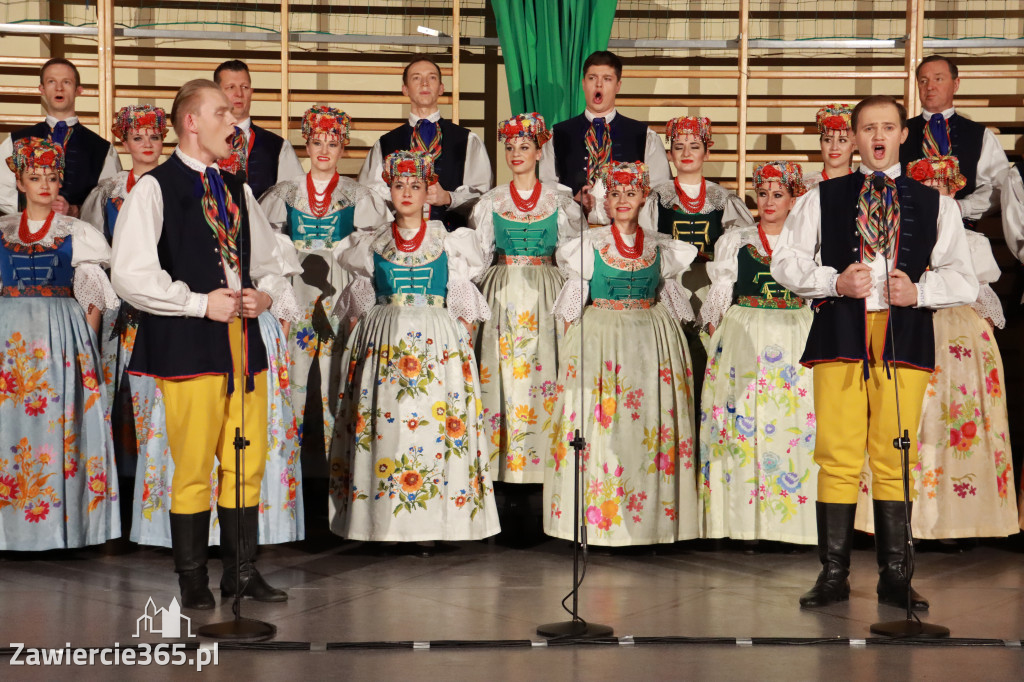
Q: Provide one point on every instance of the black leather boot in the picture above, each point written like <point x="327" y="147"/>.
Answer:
<point x="190" y="539"/>
<point x="835" y="538"/>
<point x="890" y="546"/>
<point x="253" y="583"/>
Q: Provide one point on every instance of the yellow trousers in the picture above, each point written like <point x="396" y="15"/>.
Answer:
<point x="855" y="415"/>
<point x="201" y="422"/>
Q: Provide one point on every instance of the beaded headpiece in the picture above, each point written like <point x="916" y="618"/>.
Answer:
<point x="698" y="126"/>
<point x="530" y="126"/>
<point x="36" y="152"/>
<point x="327" y="120"/>
<point x="783" y="172"/>
<point x="633" y="174"/>
<point x="834" y="117"/>
<point x="139" y="117"/>
<point x="409" y="164"/>
<point x="945" y="169"/>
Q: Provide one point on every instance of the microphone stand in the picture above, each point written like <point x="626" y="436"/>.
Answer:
<point x="911" y="626"/>
<point x="239" y="628"/>
<point x="577" y="628"/>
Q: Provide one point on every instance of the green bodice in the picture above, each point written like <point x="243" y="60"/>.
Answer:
<point x="700" y="229"/>
<point x="614" y="284"/>
<point x="537" y="238"/>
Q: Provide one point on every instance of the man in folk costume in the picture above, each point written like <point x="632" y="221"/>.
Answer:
<point x="600" y="135"/>
<point x="941" y="131"/>
<point x="88" y="158"/>
<point x="838" y="243"/>
<point x="260" y="157"/>
<point x="190" y="246"/>
<point x="460" y="160"/>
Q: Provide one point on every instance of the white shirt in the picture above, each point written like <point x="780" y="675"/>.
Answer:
<point x="1013" y="213"/>
<point x="8" y="185"/>
<point x="476" y="171"/>
<point x="654" y="155"/>
<point x="992" y="164"/>
<point x="796" y="263"/>
<point x="288" y="165"/>
<point x="135" y="268"/>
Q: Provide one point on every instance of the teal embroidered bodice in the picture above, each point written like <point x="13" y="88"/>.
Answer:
<point x="538" y="238"/>
<point x="614" y="284"/>
<point x="308" y="231"/>
<point x="426" y="278"/>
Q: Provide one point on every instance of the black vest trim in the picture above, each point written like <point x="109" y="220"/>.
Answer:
<point x="261" y="167"/>
<point x="176" y="347"/>
<point x="84" y="156"/>
<point x="629" y="143"/>
<point x="450" y="165"/>
<point x="965" y="140"/>
<point x="839" y="330"/>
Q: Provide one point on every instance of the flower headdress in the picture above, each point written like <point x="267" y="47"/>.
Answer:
<point x="139" y="117"/>
<point x="945" y="169"/>
<point x="834" y="117"/>
<point x="633" y="174"/>
<point x="36" y="152"/>
<point x="409" y="164"/>
<point x="698" y="126"/>
<point x="530" y="126"/>
<point x="328" y="120"/>
<point x="785" y="173"/>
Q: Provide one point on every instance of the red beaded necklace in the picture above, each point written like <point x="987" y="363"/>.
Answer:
<point x="409" y="245"/>
<point x="764" y="240"/>
<point x="320" y="202"/>
<point x="530" y="202"/>
<point x="692" y="205"/>
<point x="27" y="237"/>
<point x="628" y="251"/>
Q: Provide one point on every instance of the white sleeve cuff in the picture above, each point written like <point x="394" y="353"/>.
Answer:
<point x="989" y="307"/>
<point x="355" y="299"/>
<point x="283" y="304"/>
<point x="676" y="298"/>
<point x="466" y="302"/>
<point x="717" y="302"/>
<point x="92" y="288"/>
<point x="568" y="305"/>
<point x="195" y="305"/>
<point x="833" y="280"/>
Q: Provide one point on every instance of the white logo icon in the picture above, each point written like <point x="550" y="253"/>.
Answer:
<point x="164" y="622"/>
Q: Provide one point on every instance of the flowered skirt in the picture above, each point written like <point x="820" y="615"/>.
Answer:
<point x="58" y="481"/>
<point x="963" y="481"/>
<point x="315" y="346"/>
<point x="758" y="479"/>
<point x="632" y="401"/>
<point x="406" y="460"/>
<point x="518" y="352"/>
<point x="281" y="516"/>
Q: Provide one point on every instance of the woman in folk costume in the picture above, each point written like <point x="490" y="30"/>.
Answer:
<point x="315" y="214"/>
<point x="693" y="210"/>
<point x="836" y="140"/>
<point x="141" y="130"/>
<point x="757" y="477"/>
<point x="58" y="485"/>
<point x="523" y="223"/>
<point x="635" y="409"/>
<point x="406" y="460"/>
<point x="963" y="480"/>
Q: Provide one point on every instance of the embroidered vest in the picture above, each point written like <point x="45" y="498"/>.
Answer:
<point x="700" y="229"/>
<point x="31" y="270"/>
<point x="629" y="143"/>
<point x="514" y="238"/>
<point x="755" y="287"/>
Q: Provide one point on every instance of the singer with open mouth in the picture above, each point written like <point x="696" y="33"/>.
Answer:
<point x="878" y="252"/>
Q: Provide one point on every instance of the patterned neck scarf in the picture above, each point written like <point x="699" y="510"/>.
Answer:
<point x="878" y="216"/>
<point x="426" y="129"/>
<point x="936" y="136"/>
<point x="238" y="162"/>
<point x="599" y="148"/>
<point x="223" y="217"/>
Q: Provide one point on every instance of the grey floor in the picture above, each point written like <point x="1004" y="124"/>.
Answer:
<point x="345" y="592"/>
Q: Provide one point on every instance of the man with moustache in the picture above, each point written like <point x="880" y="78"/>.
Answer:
<point x="839" y="241"/>
<point x="600" y="135"/>
<point x="460" y="159"/>
<point x="261" y="157"/>
<point x="194" y="252"/>
<point x="88" y="158"/>
<point x="940" y="130"/>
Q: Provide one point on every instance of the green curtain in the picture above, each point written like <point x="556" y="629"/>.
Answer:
<point x="544" y="43"/>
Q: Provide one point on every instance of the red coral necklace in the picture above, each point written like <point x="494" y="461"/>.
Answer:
<point x="764" y="240"/>
<point x="628" y="251"/>
<point x="529" y="203"/>
<point x="320" y="202"/>
<point x="409" y="245"/>
<point x="697" y="203"/>
<point x="27" y="237"/>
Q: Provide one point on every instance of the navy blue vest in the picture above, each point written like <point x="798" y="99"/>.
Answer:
<point x="450" y="166"/>
<point x="261" y="168"/>
<point x="965" y="138"/>
<point x="629" y="143"/>
<point x="84" y="156"/>
<point x="839" y="330"/>
<point x="175" y="347"/>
